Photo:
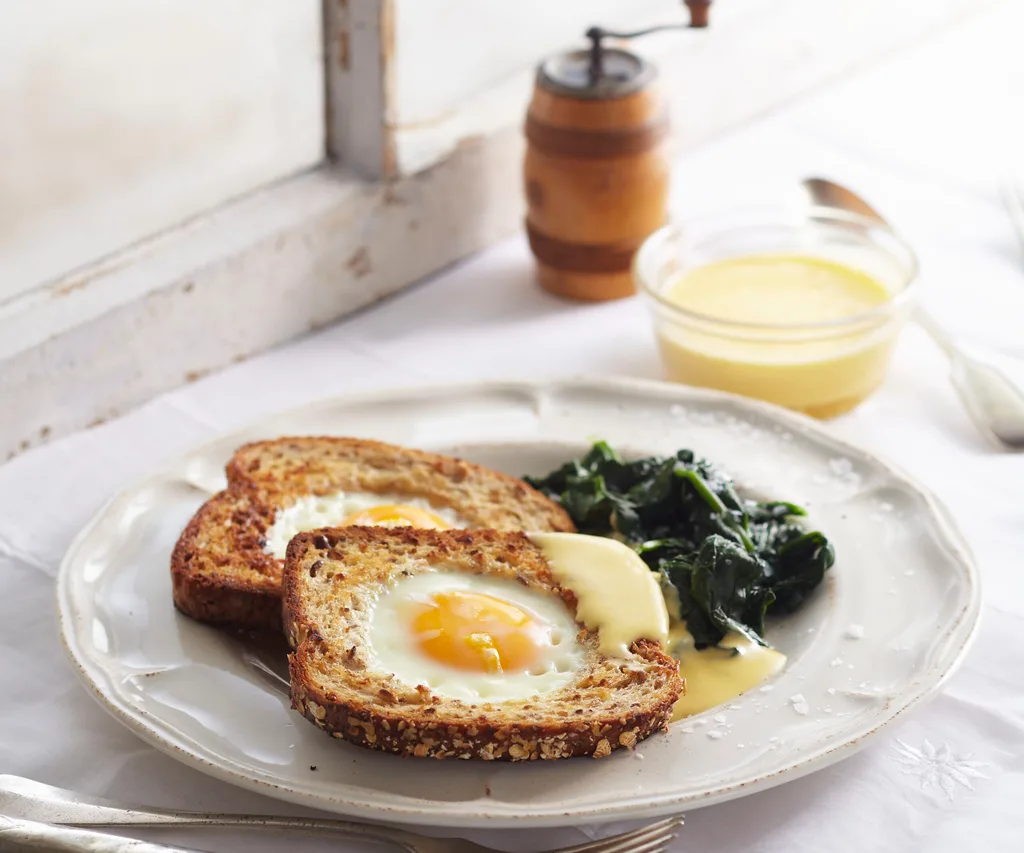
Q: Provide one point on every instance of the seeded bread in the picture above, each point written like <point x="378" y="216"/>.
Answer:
<point x="222" y="573"/>
<point x="331" y="578"/>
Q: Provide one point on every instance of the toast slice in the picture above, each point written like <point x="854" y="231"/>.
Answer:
<point x="335" y="583"/>
<point x="225" y="571"/>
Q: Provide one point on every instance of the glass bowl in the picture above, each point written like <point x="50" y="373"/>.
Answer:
<point x="822" y="369"/>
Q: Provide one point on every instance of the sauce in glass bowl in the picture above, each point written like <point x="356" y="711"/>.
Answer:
<point x="801" y="311"/>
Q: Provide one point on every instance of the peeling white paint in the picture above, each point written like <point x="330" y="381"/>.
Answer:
<point x="302" y="254"/>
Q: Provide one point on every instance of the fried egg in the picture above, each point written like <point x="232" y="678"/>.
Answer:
<point x="350" y="508"/>
<point x="473" y="637"/>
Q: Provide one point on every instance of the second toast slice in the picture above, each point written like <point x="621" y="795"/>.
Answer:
<point x="226" y="566"/>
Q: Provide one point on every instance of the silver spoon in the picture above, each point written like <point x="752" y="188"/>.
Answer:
<point x="990" y="385"/>
<point x="29" y="810"/>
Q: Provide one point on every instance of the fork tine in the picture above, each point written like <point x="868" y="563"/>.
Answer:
<point x="646" y="843"/>
<point x="657" y="833"/>
<point x="634" y="834"/>
<point x="655" y="845"/>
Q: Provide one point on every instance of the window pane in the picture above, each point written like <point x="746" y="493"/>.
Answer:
<point x="121" y="118"/>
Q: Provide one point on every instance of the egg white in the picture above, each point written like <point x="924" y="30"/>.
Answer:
<point x="312" y="511"/>
<point x="392" y="647"/>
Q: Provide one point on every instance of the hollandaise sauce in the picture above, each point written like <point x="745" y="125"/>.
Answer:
<point x="716" y="675"/>
<point x="620" y="597"/>
<point x="798" y="330"/>
<point x="617" y="595"/>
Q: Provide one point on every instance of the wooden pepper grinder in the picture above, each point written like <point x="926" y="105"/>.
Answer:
<point x="596" y="171"/>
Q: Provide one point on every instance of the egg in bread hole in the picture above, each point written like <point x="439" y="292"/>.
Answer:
<point x="476" y="644"/>
<point x="473" y="637"/>
<point x="344" y="508"/>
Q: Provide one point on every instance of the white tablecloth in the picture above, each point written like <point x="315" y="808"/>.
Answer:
<point x="920" y="136"/>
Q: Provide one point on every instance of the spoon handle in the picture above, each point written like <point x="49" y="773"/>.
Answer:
<point x="35" y="802"/>
<point x="941" y="337"/>
<point x="20" y="834"/>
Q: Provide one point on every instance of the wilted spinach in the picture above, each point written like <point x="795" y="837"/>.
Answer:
<point x="731" y="560"/>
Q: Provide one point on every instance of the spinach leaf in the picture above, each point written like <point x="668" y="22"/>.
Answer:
<point x="731" y="560"/>
<point x="800" y="567"/>
<point x="729" y="582"/>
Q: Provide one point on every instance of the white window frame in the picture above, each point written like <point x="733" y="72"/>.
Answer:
<point x="307" y="250"/>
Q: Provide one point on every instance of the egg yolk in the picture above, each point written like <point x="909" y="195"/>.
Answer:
<point x="478" y="632"/>
<point x="395" y="515"/>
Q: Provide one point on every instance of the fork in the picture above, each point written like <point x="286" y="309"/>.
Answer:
<point x="31" y="806"/>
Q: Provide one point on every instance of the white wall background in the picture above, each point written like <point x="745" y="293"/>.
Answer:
<point x="464" y="68"/>
<point x="121" y="118"/>
<point x="469" y="46"/>
<point x="481" y="58"/>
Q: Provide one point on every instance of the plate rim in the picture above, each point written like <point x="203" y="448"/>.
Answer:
<point x="966" y="622"/>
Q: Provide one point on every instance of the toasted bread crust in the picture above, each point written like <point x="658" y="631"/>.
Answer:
<point x="483" y="739"/>
<point x="318" y="465"/>
<point x="221" y="572"/>
<point x="608" y="705"/>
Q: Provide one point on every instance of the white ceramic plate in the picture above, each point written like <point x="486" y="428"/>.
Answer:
<point x="902" y="574"/>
